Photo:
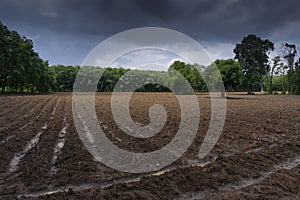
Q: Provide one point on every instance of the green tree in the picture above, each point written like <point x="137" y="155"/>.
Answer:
<point x="277" y="83"/>
<point x="276" y="64"/>
<point x="231" y="73"/>
<point x="62" y="77"/>
<point x="252" y="54"/>
<point x="297" y="77"/>
<point x="4" y="52"/>
<point x="110" y="78"/>
<point x="190" y="72"/>
<point x="289" y="54"/>
<point x="213" y="79"/>
<point x="21" y="68"/>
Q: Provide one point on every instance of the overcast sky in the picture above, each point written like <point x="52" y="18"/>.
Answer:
<point x="65" y="31"/>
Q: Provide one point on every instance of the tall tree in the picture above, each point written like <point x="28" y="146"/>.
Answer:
<point x="4" y="59"/>
<point x="275" y="65"/>
<point x="21" y="68"/>
<point x="297" y="77"/>
<point x="289" y="54"/>
<point x="252" y="54"/>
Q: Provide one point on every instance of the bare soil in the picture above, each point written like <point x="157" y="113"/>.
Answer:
<point x="256" y="157"/>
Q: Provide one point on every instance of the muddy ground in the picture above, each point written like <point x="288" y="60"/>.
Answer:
<point x="256" y="157"/>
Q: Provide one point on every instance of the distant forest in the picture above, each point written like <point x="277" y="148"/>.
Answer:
<point x="23" y="71"/>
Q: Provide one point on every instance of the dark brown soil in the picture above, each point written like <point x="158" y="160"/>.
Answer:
<point x="256" y="157"/>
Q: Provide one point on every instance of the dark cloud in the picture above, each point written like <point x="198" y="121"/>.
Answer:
<point x="75" y="24"/>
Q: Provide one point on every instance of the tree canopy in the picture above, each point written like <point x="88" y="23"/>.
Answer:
<point x="22" y="70"/>
<point x="252" y="54"/>
<point x="231" y="73"/>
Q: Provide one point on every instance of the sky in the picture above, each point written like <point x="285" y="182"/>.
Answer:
<point x="65" y="31"/>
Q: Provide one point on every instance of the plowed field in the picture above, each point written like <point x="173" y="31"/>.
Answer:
<point x="256" y="157"/>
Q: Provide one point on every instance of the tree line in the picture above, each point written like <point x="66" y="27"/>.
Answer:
<point x="22" y="70"/>
<point x="258" y="71"/>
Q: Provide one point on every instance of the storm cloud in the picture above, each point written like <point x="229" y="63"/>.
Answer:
<point x="64" y="31"/>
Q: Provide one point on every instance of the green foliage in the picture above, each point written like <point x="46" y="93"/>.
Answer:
<point x="140" y="80"/>
<point x="21" y="68"/>
<point x="231" y="73"/>
<point x="277" y="84"/>
<point x="109" y="78"/>
<point x="289" y="54"/>
<point x="213" y="77"/>
<point x="190" y="72"/>
<point x="276" y="66"/>
<point x="62" y="77"/>
<point x="127" y="79"/>
<point x="252" y="53"/>
<point x="297" y="77"/>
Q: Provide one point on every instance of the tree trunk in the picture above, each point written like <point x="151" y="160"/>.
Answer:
<point x="222" y="94"/>
<point x="271" y="82"/>
<point x="282" y="83"/>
